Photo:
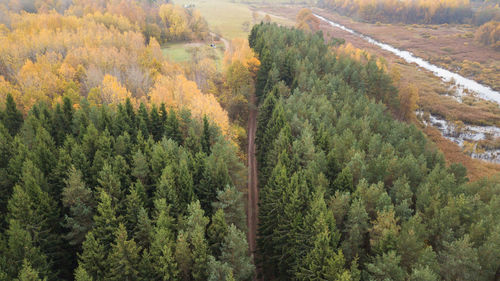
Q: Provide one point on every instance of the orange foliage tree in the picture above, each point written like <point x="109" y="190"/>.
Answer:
<point x="307" y="21"/>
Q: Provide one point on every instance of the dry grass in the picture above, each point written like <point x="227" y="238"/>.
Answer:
<point x="228" y="18"/>
<point x="477" y="169"/>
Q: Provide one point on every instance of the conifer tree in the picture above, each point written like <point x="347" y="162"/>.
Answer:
<point x="206" y="137"/>
<point x="235" y="253"/>
<point x="124" y="258"/>
<point x="12" y="117"/>
<point x="230" y="201"/>
<point x="27" y="273"/>
<point x="172" y="129"/>
<point x="216" y="232"/>
<point x="77" y="198"/>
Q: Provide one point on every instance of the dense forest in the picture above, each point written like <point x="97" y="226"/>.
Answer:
<point x="418" y="11"/>
<point x="119" y="194"/>
<point x="347" y="192"/>
<point x="116" y="163"/>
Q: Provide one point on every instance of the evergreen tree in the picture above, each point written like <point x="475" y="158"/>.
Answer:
<point x="27" y="273"/>
<point x="156" y="127"/>
<point x="230" y="201"/>
<point x="77" y="198"/>
<point x="356" y="230"/>
<point x="143" y="123"/>
<point x="105" y="221"/>
<point x="196" y="223"/>
<point x="206" y="137"/>
<point x="235" y="253"/>
<point x="172" y="129"/>
<point x="162" y="247"/>
<point x="93" y="258"/>
<point x="12" y="117"/>
<point x="216" y="232"/>
<point x="219" y="271"/>
<point x="20" y="247"/>
<point x="124" y="257"/>
<point x="183" y="256"/>
<point x="82" y="275"/>
<point x="36" y="212"/>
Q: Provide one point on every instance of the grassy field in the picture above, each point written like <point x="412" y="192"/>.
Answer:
<point x="177" y="52"/>
<point x="182" y="52"/>
<point x="228" y="19"/>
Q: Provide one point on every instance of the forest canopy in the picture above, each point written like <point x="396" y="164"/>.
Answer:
<point x="346" y="191"/>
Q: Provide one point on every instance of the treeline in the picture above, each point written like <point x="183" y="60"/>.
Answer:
<point x="159" y="19"/>
<point x="416" y="11"/>
<point x="347" y="192"/>
<point x="489" y="34"/>
<point x="101" y="193"/>
<point x="101" y="56"/>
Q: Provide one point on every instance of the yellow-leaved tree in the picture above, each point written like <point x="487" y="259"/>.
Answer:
<point x="179" y="92"/>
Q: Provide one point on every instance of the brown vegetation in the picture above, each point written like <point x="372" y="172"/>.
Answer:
<point x="489" y="34"/>
<point x="477" y="169"/>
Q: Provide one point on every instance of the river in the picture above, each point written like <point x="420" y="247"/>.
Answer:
<point x="462" y="85"/>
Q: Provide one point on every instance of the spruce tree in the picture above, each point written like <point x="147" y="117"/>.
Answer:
<point x="12" y="117"/>
<point x="216" y="232"/>
<point x="235" y="253"/>
<point x="206" y="137"/>
<point x="77" y="198"/>
<point x="124" y="258"/>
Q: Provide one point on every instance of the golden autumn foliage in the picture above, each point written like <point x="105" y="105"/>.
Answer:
<point x="408" y="101"/>
<point x="307" y="21"/>
<point x="408" y="11"/>
<point x="240" y="69"/>
<point x="97" y="51"/>
<point x="489" y="34"/>
<point x="178" y="92"/>
<point x="359" y="55"/>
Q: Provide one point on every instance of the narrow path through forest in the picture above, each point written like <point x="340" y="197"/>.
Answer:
<point x="253" y="191"/>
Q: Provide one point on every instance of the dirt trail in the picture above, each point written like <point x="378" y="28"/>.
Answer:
<point x="253" y="191"/>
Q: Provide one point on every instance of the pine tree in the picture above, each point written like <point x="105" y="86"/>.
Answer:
<point x="105" y="221"/>
<point x="27" y="273"/>
<point x="162" y="247"/>
<point x="143" y="123"/>
<point x="82" y="275"/>
<point x="6" y="152"/>
<point x="215" y="177"/>
<point x="133" y="205"/>
<point x="109" y="182"/>
<point x="36" y="212"/>
<point x="172" y="129"/>
<point x="269" y="210"/>
<point x="156" y="127"/>
<point x="196" y="223"/>
<point x="356" y="230"/>
<point x="20" y="246"/>
<point x="206" y="137"/>
<point x="93" y="257"/>
<point x="235" y="253"/>
<point x="231" y="202"/>
<point x="12" y="117"/>
<point x="219" y="271"/>
<point x="216" y="232"/>
<point x="141" y="169"/>
<point x="183" y="256"/>
<point x="77" y="198"/>
<point x="166" y="188"/>
<point x="124" y="258"/>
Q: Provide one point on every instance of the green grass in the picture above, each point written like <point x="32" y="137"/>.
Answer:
<point x="180" y="52"/>
<point x="227" y="18"/>
<point x="177" y="52"/>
